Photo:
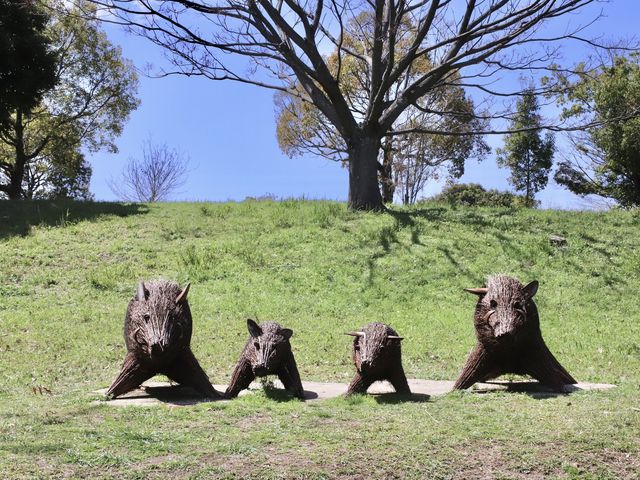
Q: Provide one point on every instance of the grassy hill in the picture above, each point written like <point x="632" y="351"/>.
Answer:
<point x="67" y="271"/>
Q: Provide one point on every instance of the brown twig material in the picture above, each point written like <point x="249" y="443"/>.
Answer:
<point x="157" y="332"/>
<point x="509" y="338"/>
<point x="267" y="352"/>
<point x="376" y="355"/>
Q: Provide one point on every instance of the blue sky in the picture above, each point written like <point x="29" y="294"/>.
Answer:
<point x="228" y="131"/>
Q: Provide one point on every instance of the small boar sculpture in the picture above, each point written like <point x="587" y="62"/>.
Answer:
<point x="509" y="338"/>
<point x="157" y="333"/>
<point x="376" y="356"/>
<point x="267" y="352"/>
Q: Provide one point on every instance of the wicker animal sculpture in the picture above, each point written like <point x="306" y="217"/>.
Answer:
<point x="376" y="356"/>
<point x="267" y="352"/>
<point x="509" y="338"/>
<point x="157" y="333"/>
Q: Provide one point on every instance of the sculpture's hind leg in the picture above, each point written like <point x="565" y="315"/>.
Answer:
<point x="399" y="381"/>
<point x="290" y="377"/>
<point x="359" y="384"/>
<point x="540" y="363"/>
<point x="241" y="378"/>
<point x="186" y="370"/>
<point x="480" y="367"/>
<point x="131" y="376"/>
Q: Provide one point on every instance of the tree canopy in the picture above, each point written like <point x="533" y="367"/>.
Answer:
<point x="407" y="161"/>
<point x="27" y="63"/>
<point x="605" y="158"/>
<point x="41" y="154"/>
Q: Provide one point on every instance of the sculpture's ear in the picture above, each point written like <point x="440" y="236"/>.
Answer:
<point x="183" y="294"/>
<point x="477" y="291"/>
<point x="531" y="289"/>
<point x="286" y="333"/>
<point x="254" y="329"/>
<point x="142" y="294"/>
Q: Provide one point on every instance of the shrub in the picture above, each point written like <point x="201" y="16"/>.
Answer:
<point x="473" y="194"/>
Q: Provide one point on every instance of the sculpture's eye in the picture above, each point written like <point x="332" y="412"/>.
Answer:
<point x="356" y="347"/>
<point x="517" y="305"/>
<point x="493" y="304"/>
<point x="146" y="317"/>
<point x="257" y="345"/>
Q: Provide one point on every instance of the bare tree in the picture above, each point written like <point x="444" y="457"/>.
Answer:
<point x="469" y="43"/>
<point x="406" y="162"/>
<point x="153" y="177"/>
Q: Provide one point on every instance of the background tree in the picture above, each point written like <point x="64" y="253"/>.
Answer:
<point x="27" y="64"/>
<point x="405" y="161"/>
<point x="525" y="152"/>
<point x="153" y="177"/>
<point x="60" y="170"/>
<point x="420" y="157"/>
<point x="41" y="152"/>
<point x="605" y="159"/>
<point x="467" y="43"/>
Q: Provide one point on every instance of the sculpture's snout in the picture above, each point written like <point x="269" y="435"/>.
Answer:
<point x="504" y="329"/>
<point x="365" y="365"/>
<point x="260" y="369"/>
<point x="157" y="349"/>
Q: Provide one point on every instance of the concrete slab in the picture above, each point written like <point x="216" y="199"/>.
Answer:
<point x="153" y="393"/>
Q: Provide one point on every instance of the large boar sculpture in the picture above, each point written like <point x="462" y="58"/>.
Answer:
<point x="509" y="338"/>
<point x="157" y="333"/>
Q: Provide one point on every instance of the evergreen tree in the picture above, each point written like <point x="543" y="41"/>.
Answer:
<point x="525" y="152"/>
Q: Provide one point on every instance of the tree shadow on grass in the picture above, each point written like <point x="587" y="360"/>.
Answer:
<point x="473" y="278"/>
<point x="408" y="220"/>
<point x="18" y="216"/>
<point x="388" y="235"/>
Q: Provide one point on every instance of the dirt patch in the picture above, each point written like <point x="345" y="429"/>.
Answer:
<point x="489" y="461"/>
<point x="492" y="462"/>
<point x="251" y="422"/>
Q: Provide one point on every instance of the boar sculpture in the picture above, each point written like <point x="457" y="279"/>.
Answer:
<point x="157" y="333"/>
<point x="509" y="338"/>
<point x="267" y="352"/>
<point x="376" y="356"/>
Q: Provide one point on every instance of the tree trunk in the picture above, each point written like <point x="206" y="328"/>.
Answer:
<point x="14" y="190"/>
<point x="387" y="184"/>
<point x="364" y="191"/>
<point x="529" y="200"/>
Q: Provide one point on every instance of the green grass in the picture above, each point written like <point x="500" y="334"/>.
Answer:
<point x="67" y="271"/>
